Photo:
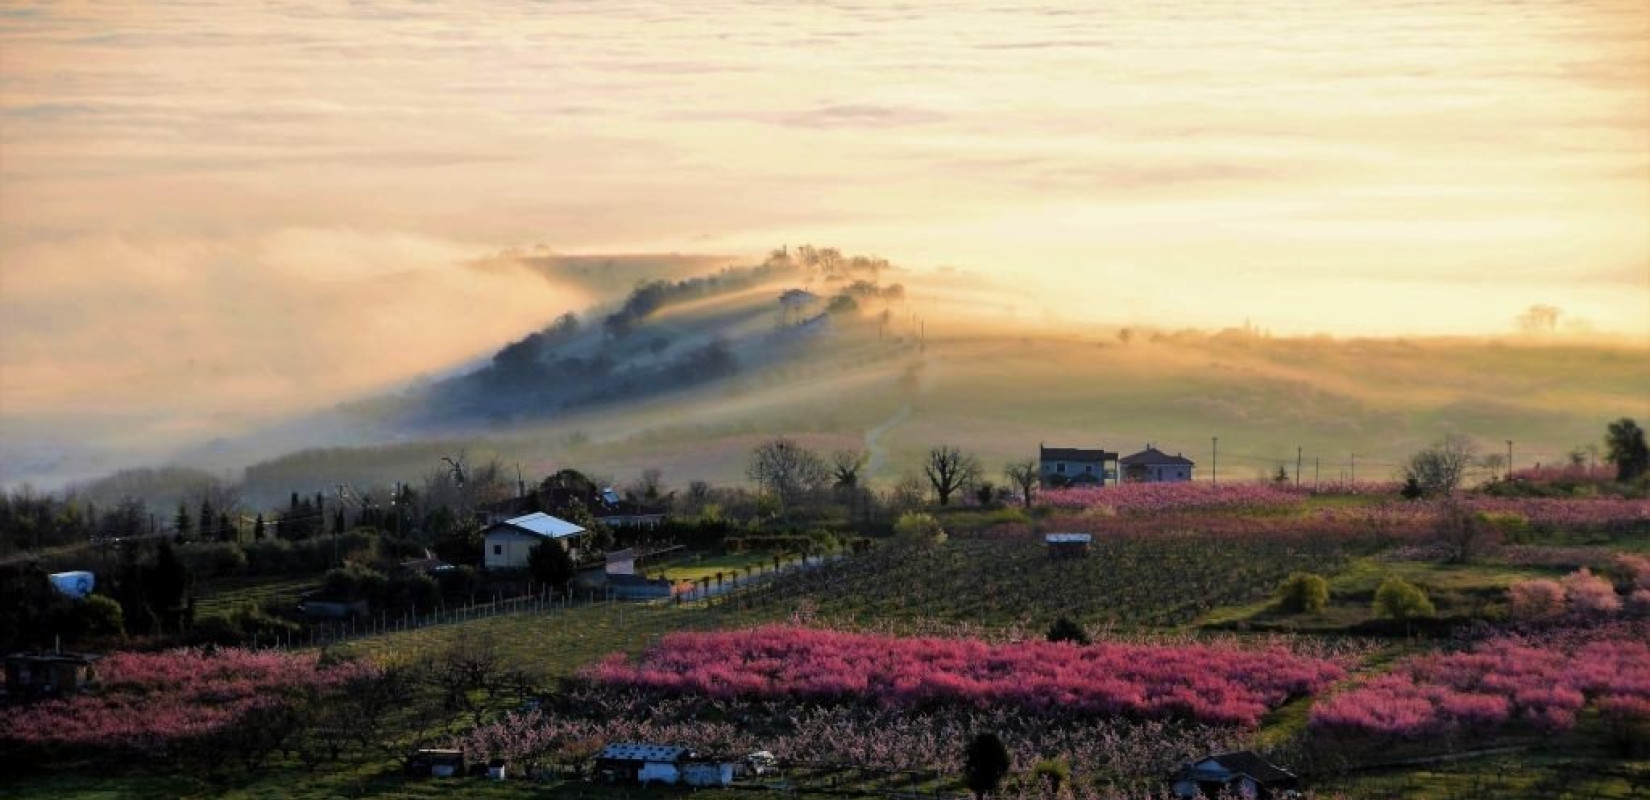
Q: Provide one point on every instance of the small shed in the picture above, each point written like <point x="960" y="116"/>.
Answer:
<point x="49" y="673"/>
<point x="641" y="763"/>
<point x="1239" y="774"/>
<point x="436" y="763"/>
<point x="1068" y="545"/>
<point x="508" y="543"/>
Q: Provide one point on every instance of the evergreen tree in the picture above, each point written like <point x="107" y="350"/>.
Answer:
<point x="1626" y="449"/>
<point x="549" y="563"/>
<point x="985" y="764"/>
<point x="258" y="528"/>
<point x="181" y="523"/>
<point x="209" y="518"/>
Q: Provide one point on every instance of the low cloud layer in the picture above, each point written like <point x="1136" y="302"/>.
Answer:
<point x="201" y="334"/>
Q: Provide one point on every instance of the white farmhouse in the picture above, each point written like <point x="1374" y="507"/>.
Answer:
<point x="506" y="544"/>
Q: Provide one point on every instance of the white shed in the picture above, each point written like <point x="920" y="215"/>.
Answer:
<point x="506" y="544"/>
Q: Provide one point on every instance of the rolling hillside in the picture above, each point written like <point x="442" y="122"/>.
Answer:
<point x="688" y="373"/>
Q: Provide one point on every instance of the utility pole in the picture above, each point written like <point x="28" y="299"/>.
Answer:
<point x="1297" y="466"/>
<point x="1315" y="467"/>
<point x="1509" y="459"/>
<point x="1352" y="469"/>
<point x="1214" y="462"/>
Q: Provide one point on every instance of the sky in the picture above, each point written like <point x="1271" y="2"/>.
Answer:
<point x="211" y="212"/>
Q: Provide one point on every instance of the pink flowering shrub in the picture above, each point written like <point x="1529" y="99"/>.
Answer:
<point x="149" y="701"/>
<point x="1589" y="595"/>
<point x="1536" y="599"/>
<point x="1636" y="568"/>
<point x="1638" y="603"/>
<point x="1134" y="499"/>
<point x="1214" y="684"/>
<point x="1501" y="683"/>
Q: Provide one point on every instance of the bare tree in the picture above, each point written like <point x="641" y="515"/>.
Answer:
<point x="1493" y="464"/>
<point x="949" y="470"/>
<point x="1023" y="474"/>
<point x="845" y="467"/>
<point x="1439" y="469"/>
<point x="786" y="469"/>
<point x="648" y="487"/>
<point x="1462" y="535"/>
<point x="1539" y="319"/>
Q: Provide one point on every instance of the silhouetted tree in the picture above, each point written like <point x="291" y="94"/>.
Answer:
<point x="985" y="764"/>
<point x="1024" y="475"/>
<point x="1625" y="448"/>
<point x="948" y="470"/>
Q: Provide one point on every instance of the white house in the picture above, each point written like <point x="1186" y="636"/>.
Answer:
<point x="1068" y="466"/>
<point x="505" y="545"/>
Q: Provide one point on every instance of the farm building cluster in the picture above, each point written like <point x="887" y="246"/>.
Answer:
<point x="1077" y="466"/>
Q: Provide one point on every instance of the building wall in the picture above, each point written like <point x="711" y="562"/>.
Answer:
<point x="509" y="550"/>
<point x="1074" y="470"/>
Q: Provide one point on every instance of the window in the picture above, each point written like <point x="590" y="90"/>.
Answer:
<point x="498" y="549"/>
<point x="1060" y="467"/>
<point x="1088" y="468"/>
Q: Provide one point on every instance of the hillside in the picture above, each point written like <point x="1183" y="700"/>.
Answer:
<point x="686" y="374"/>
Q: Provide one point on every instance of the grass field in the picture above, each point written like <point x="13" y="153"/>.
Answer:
<point x="222" y="595"/>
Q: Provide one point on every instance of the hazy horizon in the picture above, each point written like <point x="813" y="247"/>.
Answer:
<point x="214" y="215"/>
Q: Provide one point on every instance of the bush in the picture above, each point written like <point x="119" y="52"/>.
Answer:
<point x="353" y="583"/>
<point x="1399" y="599"/>
<point x="1064" y="630"/>
<point x="1536" y="599"/>
<point x="1589" y="595"/>
<point x="1053" y="773"/>
<point x="919" y="528"/>
<point x="213" y="559"/>
<point x="94" y="617"/>
<point x="1304" y="593"/>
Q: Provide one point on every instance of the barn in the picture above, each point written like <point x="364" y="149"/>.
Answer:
<point x="506" y="544"/>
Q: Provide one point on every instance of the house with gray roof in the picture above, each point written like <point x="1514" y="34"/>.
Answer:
<point x="1152" y="465"/>
<point x="1076" y="466"/>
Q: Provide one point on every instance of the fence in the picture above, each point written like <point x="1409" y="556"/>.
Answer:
<point x="324" y="633"/>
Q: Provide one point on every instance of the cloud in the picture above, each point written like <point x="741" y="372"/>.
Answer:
<point x="238" y="328"/>
<point x="855" y="115"/>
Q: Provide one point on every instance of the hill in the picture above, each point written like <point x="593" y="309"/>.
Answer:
<point x="686" y="373"/>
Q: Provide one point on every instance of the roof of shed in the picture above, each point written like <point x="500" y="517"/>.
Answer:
<point x="1251" y="764"/>
<point x="631" y="751"/>
<point x="1069" y="538"/>
<point x="540" y="524"/>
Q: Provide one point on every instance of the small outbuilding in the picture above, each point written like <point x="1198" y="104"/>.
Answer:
<point x="506" y="544"/>
<point x="436" y="763"/>
<point x="662" y="763"/>
<point x="1239" y="774"/>
<point x="641" y="763"/>
<point x="1068" y="545"/>
<point x="52" y="673"/>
